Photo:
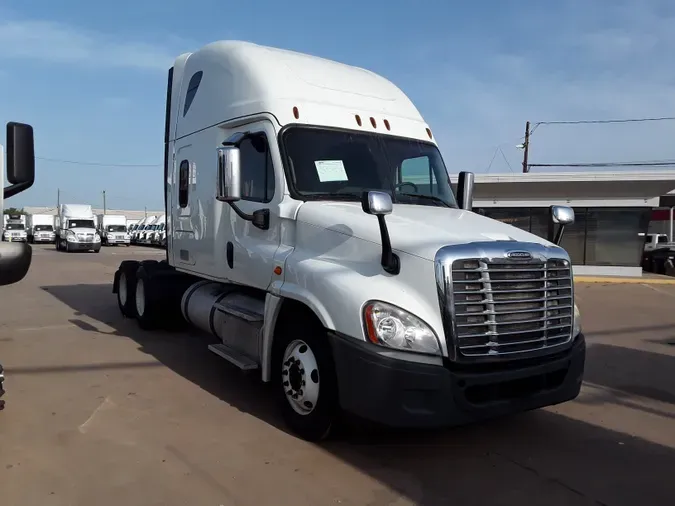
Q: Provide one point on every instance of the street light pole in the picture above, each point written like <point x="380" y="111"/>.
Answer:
<point x="526" y="148"/>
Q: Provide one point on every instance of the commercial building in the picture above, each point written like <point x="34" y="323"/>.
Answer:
<point x="611" y="210"/>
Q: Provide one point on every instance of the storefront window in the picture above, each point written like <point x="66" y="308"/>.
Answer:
<point x="612" y="236"/>
<point x="598" y="236"/>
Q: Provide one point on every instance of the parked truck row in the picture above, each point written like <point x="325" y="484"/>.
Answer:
<point x="312" y="227"/>
<point x="150" y="231"/>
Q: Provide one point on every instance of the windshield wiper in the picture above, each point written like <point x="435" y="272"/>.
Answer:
<point x="334" y="196"/>
<point x="427" y="197"/>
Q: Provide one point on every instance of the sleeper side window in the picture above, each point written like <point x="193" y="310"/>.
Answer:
<point x="193" y="85"/>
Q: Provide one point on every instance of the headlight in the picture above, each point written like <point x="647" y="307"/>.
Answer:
<point x="390" y="326"/>
<point x="70" y="236"/>
<point x="97" y="238"/>
<point x="576" y="325"/>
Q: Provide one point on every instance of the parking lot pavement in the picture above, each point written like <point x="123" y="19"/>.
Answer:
<point x="99" y="412"/>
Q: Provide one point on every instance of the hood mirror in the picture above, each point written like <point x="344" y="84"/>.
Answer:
<point x="379" y="203"/>
<point x="559" y="216"/>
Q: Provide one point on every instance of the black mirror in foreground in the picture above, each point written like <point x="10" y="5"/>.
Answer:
<point x="15" y="258"/>
<point x="560" y="216"/>
<point x="20" y="158"/>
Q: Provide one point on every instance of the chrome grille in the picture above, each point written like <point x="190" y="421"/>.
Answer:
<point x="504" y="307"/>
<point x="85" y="237"/>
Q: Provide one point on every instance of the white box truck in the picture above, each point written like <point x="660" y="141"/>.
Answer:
<point x="15" y="258"/>
<point x="76" y="229"/>
<point x="41" y="228"/>
<point x="301" y="235"/>
<point x="15" y="228"/>
<point x="113" y="229"/>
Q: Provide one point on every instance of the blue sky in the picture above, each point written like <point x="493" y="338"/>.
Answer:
<point x="90" y="77"/>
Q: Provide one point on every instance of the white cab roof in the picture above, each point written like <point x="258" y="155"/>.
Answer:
<point x="241" y="79"/>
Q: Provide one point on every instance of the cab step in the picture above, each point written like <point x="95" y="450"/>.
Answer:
<point x="234" y="357"/>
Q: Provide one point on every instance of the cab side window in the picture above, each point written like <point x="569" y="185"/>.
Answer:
<point x="257" y="171"/>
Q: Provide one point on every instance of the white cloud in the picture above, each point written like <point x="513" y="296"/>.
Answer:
<point x="611" y="62"/>
<point x="50" y="42"/>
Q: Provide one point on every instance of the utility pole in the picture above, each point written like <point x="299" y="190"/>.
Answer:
<point x="58" y="199"/>
<point x="146" y="211"/>
<point x="526" y="148"/>
<point x="103" y="201"/>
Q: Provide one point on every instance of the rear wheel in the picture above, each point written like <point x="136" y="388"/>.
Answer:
<point x="126" y="288"/>
<point x="148" y="297"/>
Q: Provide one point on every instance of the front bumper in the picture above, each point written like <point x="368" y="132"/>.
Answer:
<point x="37" y="239"/>
<point x="15" y="239"/>
<point x="400" y="393"/>
<point x="83" y="246"/>
<point x="117" y="241"/>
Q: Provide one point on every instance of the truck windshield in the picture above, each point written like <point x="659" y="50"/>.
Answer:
<point x="340" y="165"/>
<point x="116" y="228"/>
<point x="14" y="226"/>
<point x="43" y="228"/>
<point x="80" y="223"/>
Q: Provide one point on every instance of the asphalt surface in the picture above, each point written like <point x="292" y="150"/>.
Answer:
<point x="100" y="412"/>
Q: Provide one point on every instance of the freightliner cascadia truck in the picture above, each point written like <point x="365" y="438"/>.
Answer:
<point x="15" y="257"/>
<point x="312" y="227"/>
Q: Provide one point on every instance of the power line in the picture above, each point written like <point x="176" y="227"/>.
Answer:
<point x="604" y="121"/>
<point x="655" y="163"/>
<point x="99" y="164"/>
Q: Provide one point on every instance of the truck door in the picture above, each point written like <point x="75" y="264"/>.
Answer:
<point x="251" y="250"/>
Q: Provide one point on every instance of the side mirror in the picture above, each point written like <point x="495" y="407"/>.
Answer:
<point x="229" y="185"/>
<point x="15" y="259"/>
<point x="20" y="158"/>
<point x="560" y="216"/>
<point x="465" y="184"/>
<point x="379" y="204"/>
<point x="229" y="174"/>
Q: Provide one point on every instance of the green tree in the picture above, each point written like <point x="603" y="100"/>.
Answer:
<point x="13" y="210"/>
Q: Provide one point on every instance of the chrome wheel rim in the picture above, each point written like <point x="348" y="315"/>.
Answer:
<point x="300" y="377"/>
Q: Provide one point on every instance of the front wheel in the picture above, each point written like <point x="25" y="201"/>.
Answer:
<point x="307" y="386"/>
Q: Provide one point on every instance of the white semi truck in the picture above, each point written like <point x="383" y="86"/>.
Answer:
<point x="113" y="229"/>
<point x="144" y="236"/>
<point x="15" y="228"/>
<point x="142" y="225"/>
<point x="41" y="228"/>
<point x="76" y="229"/>
<point x="15" y="258"/>
<point x="300" y="234"/>
<point x="154" y="237"/>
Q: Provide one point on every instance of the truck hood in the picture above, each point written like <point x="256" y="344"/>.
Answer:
<point x="79" y="230"/>
<point x="416" y="230"/>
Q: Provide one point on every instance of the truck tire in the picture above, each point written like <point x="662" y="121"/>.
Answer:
<point x="2" y="390"/>
<point x="126" y="288"/>
<point x="306" y="381"/>
<point x="147" y="297"/>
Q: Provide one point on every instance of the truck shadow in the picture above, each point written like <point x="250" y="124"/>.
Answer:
<point x="534" y="458"/>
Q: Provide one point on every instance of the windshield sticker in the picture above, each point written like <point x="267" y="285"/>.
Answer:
<point x="330" y="170"/>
